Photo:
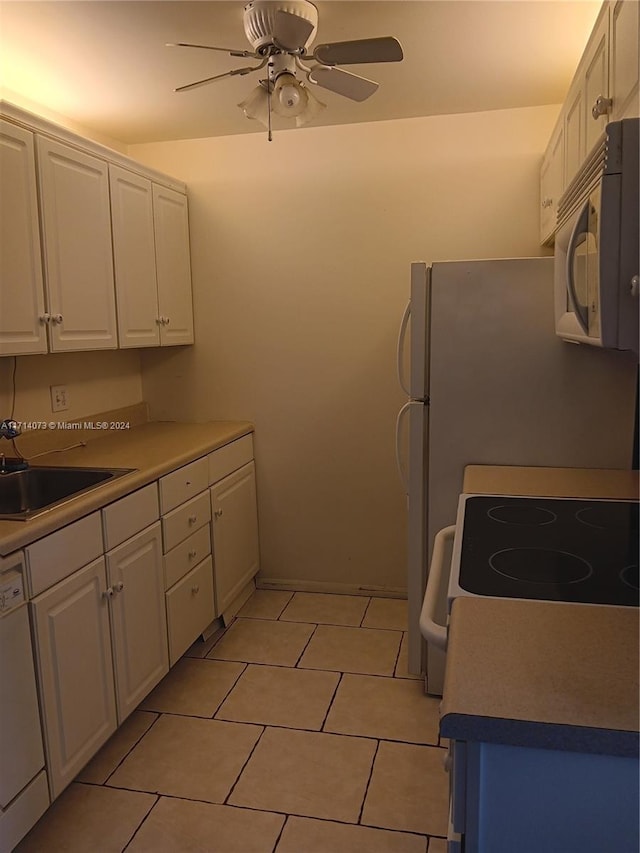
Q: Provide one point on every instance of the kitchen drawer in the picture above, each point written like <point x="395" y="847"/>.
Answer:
<point x="227" y="459"/>
<point x="58" y="555"/>
<point x="186" y="555"/>
<point x="190" y="608"/>
<point x="183" y="484"/>
<point x="124" y="518"/>
<point x="185" y="520"/>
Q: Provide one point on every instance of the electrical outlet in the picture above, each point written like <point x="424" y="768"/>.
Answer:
<point x="59" y="398"/>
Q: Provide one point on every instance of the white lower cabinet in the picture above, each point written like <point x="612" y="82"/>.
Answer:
<point x="138" y="619"/>
<point x="75" y="671"/>
<point x="235" y="533"/>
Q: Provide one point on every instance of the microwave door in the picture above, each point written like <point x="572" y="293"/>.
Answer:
<point x="581" y="245"/>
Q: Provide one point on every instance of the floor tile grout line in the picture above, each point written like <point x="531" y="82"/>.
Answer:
<point x="280" y="834"/>
<point x="306" y="645"/>
<point x="366" y="789"/>
<point x="242" y="769"/>
<point x="142" y="822"/>
<point x="230" y="690"/>
<point x="366" y="610"/>
<point x="130" y="750"/>
<point x="395" y="668"/>
<point x="329" y="706"/>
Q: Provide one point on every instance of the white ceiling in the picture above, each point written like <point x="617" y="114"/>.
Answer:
<point x="104" y="64"/>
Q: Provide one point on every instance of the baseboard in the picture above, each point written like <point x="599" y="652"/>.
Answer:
<point x="293" y="585"/>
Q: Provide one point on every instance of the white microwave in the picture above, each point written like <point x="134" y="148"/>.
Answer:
<point x="597" y="251"/>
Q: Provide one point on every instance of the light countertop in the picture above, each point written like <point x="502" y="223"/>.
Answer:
<point x="544" y="674"/>
<point x="153" y="449"/>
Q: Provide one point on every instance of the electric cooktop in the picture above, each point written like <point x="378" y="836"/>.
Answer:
<point x="552" y="549"/>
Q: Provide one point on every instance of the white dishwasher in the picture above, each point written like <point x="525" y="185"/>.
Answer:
<point x="24" y="793"/>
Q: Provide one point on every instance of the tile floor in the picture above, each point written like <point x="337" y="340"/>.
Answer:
<point x="297" y="730"/>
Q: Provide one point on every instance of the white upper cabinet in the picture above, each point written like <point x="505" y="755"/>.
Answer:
<point x="134" y="257"/>
<point x="76" y="222"/>
<point x="22" y="306"/>
<point x="624" y="66"/>
<point x="604" y="89"/>
<point x="94" y="249"/>
<point x="551" y="182"/>
<point x="173" y="265"/>
<point x="152" y="261"/>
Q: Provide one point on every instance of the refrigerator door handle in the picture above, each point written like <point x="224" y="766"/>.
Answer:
<point x="404" y="476"/>
<point x="401" y="337"/>
<point x="429" y="628"/>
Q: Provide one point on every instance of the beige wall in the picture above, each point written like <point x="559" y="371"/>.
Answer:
<point x="96" y="382"/>
<point x="301" y="250"/>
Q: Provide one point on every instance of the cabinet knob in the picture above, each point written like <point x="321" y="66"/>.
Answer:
<point x="193" y="519"/>
<point x="195" y="589"/>
<point x="192" y="554"/>
<point x="547" y="202"/>
<point x="118" y="587"/>
<point x="108" y="593"/>
<point x="158" y="321"/>
<point x="45" y="318"/>
<point x="167" y="320"/>
<point x="56" y="318"/>
<point x="601" y="107"/>
<point x="217" y="513"/>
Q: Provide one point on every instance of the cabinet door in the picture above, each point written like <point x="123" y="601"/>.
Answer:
<point x="75" y="671"/>
<point x="173" y="263"/>
<point x="574" y="148"/>
<point x="596" y="82"/>
<point x="235" y="534"/>
<point x="77" y="248"/>
<point x="138" y="617"/>
<point x="22" y="310"/>
<point x="551" y="183"/>
<point x="625" y="39"/>
<point x="134" y="257"/>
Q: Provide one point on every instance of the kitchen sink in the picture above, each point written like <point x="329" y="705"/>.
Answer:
<point x="25" y="494"/>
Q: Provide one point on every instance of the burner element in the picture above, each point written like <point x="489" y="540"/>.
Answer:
<point x="629" y="575"/>
<point x="540" y="566"/>
<point x="609" y="516"/>
<point x="523" y="514"/>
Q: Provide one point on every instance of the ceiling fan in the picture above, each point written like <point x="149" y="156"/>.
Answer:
<point x="280" y="32"/>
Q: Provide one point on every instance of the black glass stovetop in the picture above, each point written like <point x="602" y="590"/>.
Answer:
<point x="551" y="549"/>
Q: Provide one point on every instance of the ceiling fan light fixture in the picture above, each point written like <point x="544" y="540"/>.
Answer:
<point x="289" y="98"/>
<point x="314" y="108"/>
<point x="256" y="105"/>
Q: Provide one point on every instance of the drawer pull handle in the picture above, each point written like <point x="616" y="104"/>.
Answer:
<point x="192" y="554"/>
<point x="188" y="483"/>
<point x="193" y="519"/>
<point x="195" y="589"/>
<point x="217" y="513"/>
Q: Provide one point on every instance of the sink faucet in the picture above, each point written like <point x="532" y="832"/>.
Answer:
<point x="9" y="429"/>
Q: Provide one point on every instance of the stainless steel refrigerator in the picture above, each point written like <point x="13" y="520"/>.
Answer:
<point x="489" y="382"/>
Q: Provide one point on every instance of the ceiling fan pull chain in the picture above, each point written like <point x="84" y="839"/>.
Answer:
<point x="269" y="134"/>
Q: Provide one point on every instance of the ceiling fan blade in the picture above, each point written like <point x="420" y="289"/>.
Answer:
<point x="384" y="49"/>
<point x="210" y="47"/>
<point x="236" y="72"/>
<point x="343" y="82"/>
<point x="291" y="31"/>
